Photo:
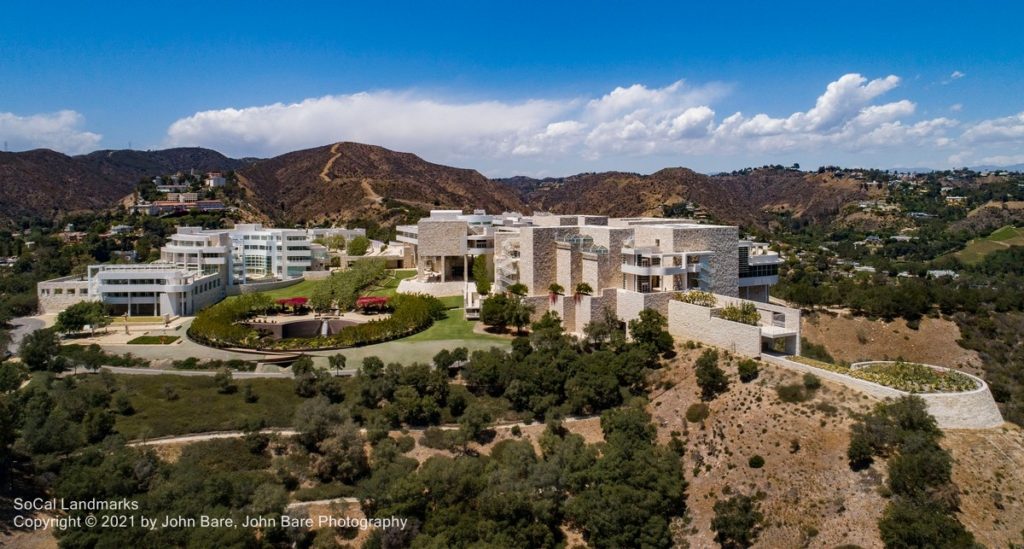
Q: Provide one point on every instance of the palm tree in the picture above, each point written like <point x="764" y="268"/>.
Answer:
<point x="337" y="362"/>
<point x="582" y="289"/>
<point x="555" y="290"/>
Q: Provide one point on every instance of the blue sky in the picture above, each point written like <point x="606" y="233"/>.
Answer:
<point x="539" y="88"/>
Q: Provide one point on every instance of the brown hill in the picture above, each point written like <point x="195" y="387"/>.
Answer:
<point x="754" y="197"/>
<point x="352" y="181"/>
<point x="44" y="184"/>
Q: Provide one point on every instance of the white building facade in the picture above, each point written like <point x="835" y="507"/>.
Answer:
<point x="197" y="268"/>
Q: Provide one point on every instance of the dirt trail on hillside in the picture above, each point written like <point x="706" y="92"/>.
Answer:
<point x="330" y="163"/>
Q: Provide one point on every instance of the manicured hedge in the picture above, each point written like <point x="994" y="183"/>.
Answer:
<point x="219" y="326"/>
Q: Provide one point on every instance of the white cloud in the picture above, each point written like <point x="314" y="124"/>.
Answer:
<point x="848" y="120"/>
<point x="60" y="131"/>
<point x="956" y="107"/>
<point x="997" y="130"/>
<point x="1002" y="159"/>
<point x="956" y="75"/>
<point x="397" y="120"/>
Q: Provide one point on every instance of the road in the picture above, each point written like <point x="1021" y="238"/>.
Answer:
<point x="200" y="437"/>
<point x="23" y="326"/>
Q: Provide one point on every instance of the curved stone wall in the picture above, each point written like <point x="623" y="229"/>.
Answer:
<point x="974" y="409"/>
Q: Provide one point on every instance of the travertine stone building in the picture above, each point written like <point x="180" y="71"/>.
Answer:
<point x="629" y="264"/>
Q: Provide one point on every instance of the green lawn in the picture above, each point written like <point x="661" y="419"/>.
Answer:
<point x="199" y="407"/>
<point x="1001" y="239"/>
<point x="302" y="289"/>
<point x="452" y="301"/>
<point x="388" y="287"/>
<point x="153" y="340"/>
<point x="454" y="326"/>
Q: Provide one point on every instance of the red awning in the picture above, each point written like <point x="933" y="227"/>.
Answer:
<point x="371" y="301"/>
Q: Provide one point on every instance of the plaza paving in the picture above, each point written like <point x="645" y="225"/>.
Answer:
<point x="403" y="351"/>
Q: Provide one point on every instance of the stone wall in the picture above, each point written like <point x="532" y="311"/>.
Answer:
<point x="687" y="321"/>
<point x="537" y="260"/>
<point x="964" y="410"/>
<point x="60" y="293"/>
<point x="629" y="304"/>
<point x="437" y="238"/>
<point x="256" y="287"/>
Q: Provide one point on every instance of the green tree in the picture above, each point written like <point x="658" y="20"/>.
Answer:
<point x="907" y="523"/>
<point x="494" y="311"/>
<point x="519" y="312"/>
<point x="736" y="521"/>
<point x="649" y="330"/>
<point x="40" y="352"/>
<point x="358" y="246"/>
<point x="79" y="315"/>
<point x="710" y="377"/>
<point x="337" y="362"/>
<point x="482" y="274"/>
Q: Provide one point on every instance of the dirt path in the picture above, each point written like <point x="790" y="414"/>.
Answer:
<point x="370" y="193"/>
<point x="201" y="437"/>
<point x="330" y="163"/>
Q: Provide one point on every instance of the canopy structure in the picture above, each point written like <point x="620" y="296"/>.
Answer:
<point x="293" y="302"/>
<point x="371" y="302"/>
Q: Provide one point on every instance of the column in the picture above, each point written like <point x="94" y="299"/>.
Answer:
<point x="465" y="268"/>
<point x="444" y="271"/>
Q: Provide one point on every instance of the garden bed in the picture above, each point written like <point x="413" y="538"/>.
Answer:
<point x="154" y="340"/>
<point x="903" y="376"/>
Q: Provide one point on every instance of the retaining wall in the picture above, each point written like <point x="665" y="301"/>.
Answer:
<point x="257" y="287"/>
<point x="963" y="410"/>
<point x="687" y="321"/>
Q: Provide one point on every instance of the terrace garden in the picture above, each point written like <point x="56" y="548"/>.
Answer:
<point x="904" y="376"/>
<point x="227" y="324"/>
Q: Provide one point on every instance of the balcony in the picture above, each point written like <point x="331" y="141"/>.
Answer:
<point x="659" y="270"/>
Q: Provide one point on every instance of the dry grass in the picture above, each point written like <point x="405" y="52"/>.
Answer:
<point x="989" y="470"/>
<point x="808" y="490"/>
<point x="852" y="339"/>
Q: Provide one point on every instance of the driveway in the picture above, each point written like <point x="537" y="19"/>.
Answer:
<point x="401" y="351"/>
<point x="25" y="325"/>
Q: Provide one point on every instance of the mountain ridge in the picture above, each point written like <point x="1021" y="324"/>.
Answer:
<point x="350" y="182"/>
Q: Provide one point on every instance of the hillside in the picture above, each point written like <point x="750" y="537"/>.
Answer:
<point x="749" y="198"/>
<point x="352" y="181"/>
<point x="43" y="183"/>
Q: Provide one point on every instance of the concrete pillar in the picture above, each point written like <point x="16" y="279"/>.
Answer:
<point x="465" y="268"/>
<point x="444" y="271"/>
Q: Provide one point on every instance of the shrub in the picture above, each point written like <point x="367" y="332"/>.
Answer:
<point x="755" y="461"/>
<point x="736" y="521"/>
<point x="745" y="313"/>
<point x="792" y="393"/>
<point x="435" y="438"/>
<point x="697" y="297"/>
<point x="405" y="443"/>
<point x="748" y="370"/>
<point x="815" y="351"/>
<point x="812" y="382"/>
<point x="697" y="412"/>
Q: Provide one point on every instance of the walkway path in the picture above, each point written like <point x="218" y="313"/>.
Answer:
<point x="201" y="437"/>
<point x="400" y="350"/>
<point x="216" y="435"/>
